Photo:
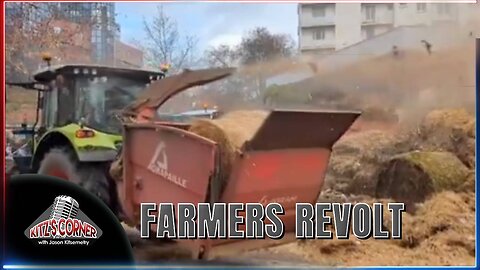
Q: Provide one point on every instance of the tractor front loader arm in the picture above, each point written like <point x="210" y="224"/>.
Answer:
<point x="144" y="107"/>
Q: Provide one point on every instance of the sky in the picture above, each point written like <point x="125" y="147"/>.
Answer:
<point x="211" y="23"/>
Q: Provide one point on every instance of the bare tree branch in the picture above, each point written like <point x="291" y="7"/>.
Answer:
<point x="165" y="44"/>
<point x="26" y="40"/>
<point x="222" y="56"/>
<point x="261" y="46"/>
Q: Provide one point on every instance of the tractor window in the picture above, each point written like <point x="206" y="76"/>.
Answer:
<point x="59" y="103"/>
<point x="66" y="101"/>
<point x="50" y="107"/>
<point x="100" y="100"/>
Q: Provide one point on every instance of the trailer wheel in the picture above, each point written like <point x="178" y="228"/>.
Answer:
<point x="62" y="163"/>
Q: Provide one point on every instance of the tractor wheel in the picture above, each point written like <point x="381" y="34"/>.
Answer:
<point x="12" y="172"/>
<point x="62" y="163"/>
<point x="11" y="168"/>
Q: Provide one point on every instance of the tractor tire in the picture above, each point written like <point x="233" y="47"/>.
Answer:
<point x="11" y="168"/>
<point x="12" y="172"/>
<point x="62" y="163"/>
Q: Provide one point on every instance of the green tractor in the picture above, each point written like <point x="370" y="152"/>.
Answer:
<point x="78" y="133"/>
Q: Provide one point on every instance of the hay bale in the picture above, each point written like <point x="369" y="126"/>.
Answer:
<point x="469" y="184"/>
<point x="230" y="132"/>
<point x="439" y="127"/>
<point x="450" y="130"/>
<point x="372" y="145"/>
<point x="464" y="144"/>
<point x="445" y="120"/>
<point x="414" y="176"/>
<point x="210" y="130"/>
<point x="469" y="128"/>
<point x="237" y="127"/>
<point x="356" y="158"/>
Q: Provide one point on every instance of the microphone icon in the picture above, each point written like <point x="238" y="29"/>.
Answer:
<point x="64" y="207"/>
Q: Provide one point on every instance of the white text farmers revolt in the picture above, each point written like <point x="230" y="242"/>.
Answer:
<point x="256" y="221"/>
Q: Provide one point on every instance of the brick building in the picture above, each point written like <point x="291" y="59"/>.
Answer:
<point x="127" y="56"/>
<point x="78" y="47"/>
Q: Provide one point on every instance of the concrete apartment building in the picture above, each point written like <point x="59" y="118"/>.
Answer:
<point x="328" y="27"/>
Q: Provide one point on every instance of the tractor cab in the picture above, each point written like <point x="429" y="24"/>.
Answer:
<point x="78" y="108"/>
<point x="90" y="95"/>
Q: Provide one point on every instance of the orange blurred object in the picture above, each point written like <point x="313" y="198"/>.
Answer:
<point x="46" y="57"/>
<point x="84" y="133"/>
<point x="164" y="67"/>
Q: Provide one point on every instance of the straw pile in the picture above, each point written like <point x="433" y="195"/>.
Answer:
<point x="441" y="232"/>
<point x="450" y="130"/>
<point x="356" y="159"/>
<point x="438" y="122"/>
<point x="412" y="177"/>
<point x="230" y="132"/>
<point x="444" y="159"/>
<point x="445" y="212"/>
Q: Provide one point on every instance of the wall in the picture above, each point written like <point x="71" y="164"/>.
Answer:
<point x="308" y="24"/>
<point x="405" y="38"/>
<point x="377" y="30"/>
<point x="409" y="14"/>
<point x="383" y="13"/>
<point x="308" y="42"/>
<point x="307" y="18"/>
<point x="77" y="48"/>
<point x="127" y="56"/>
<point x="350" y="24"/>
<point x="348" y="18"/>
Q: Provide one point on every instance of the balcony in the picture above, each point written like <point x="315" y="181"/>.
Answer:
<point x="377" y="18"/>
<point x="309" y="44"/>
<point x="309" y="21"/>
<point x="306" y="22"/>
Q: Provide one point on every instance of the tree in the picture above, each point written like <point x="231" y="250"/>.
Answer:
<point x="222" y="56"/>
<point x="254" y="55"/>
<point x="258" y="47"/>
<point x="26" y="40"/>
<point x="164" y="43"/>
<point x="227" y="92"/>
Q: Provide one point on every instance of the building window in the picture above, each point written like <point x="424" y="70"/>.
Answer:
<point x="421" y="7"/>
<point x="370" y="13"/>
<point x="318" y="11"/>
<point x="319" y="34"/>
<point x="390" y="6"/>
